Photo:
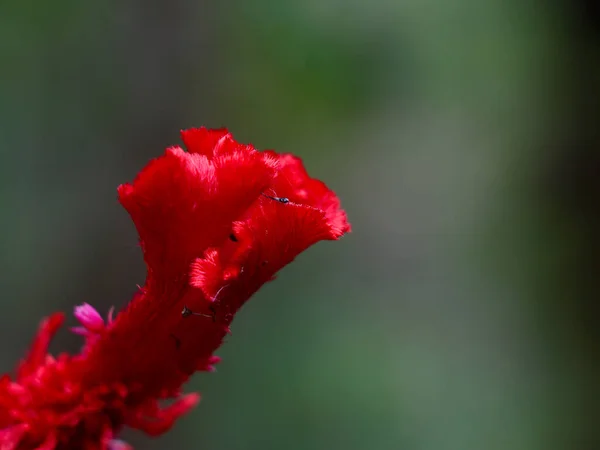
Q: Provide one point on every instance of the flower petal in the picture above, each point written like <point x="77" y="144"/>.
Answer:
<point x="37" y="353"/>
<point x="271" y="237"/>
<point x="202" y="140"/>
<point x="155" y="421"/>
<point x="182" y="203"/>
<point x="293" y="181"/>
<point x="11" y="436"/>
<point x="89" y="317"/>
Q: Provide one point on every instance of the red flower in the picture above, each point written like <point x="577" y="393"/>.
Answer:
<point x="215" y="224"/>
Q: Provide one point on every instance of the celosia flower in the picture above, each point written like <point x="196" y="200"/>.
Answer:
<point x="215" y="223"/>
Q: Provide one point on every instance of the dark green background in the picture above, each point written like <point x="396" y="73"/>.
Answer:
<point x="461" y="313"/>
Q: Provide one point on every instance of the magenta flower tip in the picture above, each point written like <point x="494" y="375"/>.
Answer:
<point x="89" y="317"/>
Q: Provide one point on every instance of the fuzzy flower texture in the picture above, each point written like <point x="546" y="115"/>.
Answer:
<point x="215" y="223"/>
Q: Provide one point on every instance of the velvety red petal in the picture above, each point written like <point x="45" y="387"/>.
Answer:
<point x="202" y="140"/>
<point x="39" y="349"/>
<point x="156" y="421"/>
<point x="293" y="182"/>
<point x="49" y="443"/>
<point x="11" y="436"/>
<point x="270" y="238"/>
<point x="183" y="203"/>
<point x="202" y="273"/>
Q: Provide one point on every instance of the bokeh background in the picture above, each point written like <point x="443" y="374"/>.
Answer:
<point x="462" y="136"/>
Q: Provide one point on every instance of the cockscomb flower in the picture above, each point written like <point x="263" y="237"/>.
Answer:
<point x="215" y="223"/>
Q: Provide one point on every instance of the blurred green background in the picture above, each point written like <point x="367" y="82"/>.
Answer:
<point x="461" y="313"/>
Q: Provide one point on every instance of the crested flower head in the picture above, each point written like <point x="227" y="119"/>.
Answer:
<point x="215" y="223"/>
